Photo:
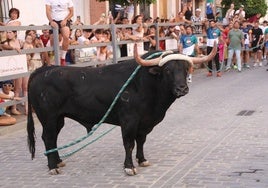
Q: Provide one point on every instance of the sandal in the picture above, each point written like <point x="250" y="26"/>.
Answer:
<point x="15" y="112"/>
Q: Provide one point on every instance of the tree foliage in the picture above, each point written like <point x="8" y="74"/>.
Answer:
<point x="252" y="7"/>
<point x="127" y="2"/>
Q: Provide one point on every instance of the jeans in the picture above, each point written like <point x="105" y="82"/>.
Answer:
<point x="238" y="58"/>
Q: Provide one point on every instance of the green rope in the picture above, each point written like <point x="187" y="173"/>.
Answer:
<point x="94" y="128"/>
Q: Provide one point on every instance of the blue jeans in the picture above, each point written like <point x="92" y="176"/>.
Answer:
<point x="238" y="58"/>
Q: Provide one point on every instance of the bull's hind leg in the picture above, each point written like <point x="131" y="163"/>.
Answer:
<point x="50" y="136"/>
<point x="140" y="140"/>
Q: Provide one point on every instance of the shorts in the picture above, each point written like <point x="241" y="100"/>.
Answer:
<point x="246" y="47"/>
<point x="266" y="44"/>
<point x="255" y="47"/>
<point x="210" y="16"/>
<point x="68" y="24"/>
<point x="34" y="64"/>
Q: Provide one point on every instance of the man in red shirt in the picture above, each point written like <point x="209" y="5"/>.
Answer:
<point x="254" y="18"/>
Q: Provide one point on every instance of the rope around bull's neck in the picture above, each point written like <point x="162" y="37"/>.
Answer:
<point x="96" y="126"/>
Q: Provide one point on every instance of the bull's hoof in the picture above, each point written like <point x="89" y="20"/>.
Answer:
<point x="144" y="164"/>
<point x="61" y="164"/>
<point x="55" y="171"/>
<point x="131" y="171"/>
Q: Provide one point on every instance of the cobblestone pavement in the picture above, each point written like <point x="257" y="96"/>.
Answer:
<point x="216" y="136"/>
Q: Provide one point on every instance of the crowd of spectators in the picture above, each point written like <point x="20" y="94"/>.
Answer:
<point x="237" y="38"/>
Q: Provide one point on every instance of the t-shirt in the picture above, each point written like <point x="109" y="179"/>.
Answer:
<point x="11" y="94"/>
<point x="209" y="9"/>
<point x="188" y="43"/>
<point x="235" y="36"/>
<point x="245" y="33"/>
<point x="59" y="8"/>
<point x="256" y="34"/>
<point x="266" y="31"/>
<point x="213" y="34"/>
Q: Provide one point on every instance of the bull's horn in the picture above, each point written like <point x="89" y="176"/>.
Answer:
<point x="176" y="57"/>
<point x="150" y="62"/>
<point x="199" y="60"/>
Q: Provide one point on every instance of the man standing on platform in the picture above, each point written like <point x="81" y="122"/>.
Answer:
<point x="59" y="14"/>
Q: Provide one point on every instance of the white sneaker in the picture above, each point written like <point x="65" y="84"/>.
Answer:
<point x="227" y="69"/>
<point x="189" y="80"/>
<point x="6" y="114"/>
<point x="260" y="64"/>
<point x="255" y="64"/>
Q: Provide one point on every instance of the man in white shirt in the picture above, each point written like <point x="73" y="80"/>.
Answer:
<point x="59" y="14"/>
<point x="84" y="40"/>
<point x="241" y="13"/>
<point x="198" y="21"/>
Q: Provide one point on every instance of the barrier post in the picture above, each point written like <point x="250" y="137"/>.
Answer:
<point x="56" y="46"/>
<point x="114" y="42"/>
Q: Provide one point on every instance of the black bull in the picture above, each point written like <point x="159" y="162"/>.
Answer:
<point x="85" y="94"/>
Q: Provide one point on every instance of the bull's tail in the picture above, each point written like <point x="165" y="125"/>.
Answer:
<point x="31" y="130"/>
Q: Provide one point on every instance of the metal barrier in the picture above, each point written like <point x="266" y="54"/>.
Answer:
<point x="56" y="47"/>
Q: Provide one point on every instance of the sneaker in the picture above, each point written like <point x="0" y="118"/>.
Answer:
<point x="6" y="114"/>
<point x="246" y="66"/>
<point x="62" y="62"/>
<point x="218" y="74"/>
<point x="260" y="64"/>
<point x="189" y="80"/>
<point x="239" y="70"/>
<point x="227" y="69"/>
<point x="235" y="67"/>
<point x="255" y="64"/>
<point x="209" y="74"/>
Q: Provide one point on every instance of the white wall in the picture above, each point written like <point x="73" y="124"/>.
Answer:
<point x="171" y="9"/>
<point x="31" y="11"/>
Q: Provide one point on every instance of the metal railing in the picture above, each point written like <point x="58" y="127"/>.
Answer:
<point x="56" y="47"/>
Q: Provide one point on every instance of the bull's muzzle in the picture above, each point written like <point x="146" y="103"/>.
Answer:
<point x="181" y="91"/>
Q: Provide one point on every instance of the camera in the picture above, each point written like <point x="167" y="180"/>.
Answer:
<point x="38" y="36"/>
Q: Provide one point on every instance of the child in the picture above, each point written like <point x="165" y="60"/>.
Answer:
<point x="6" y="94"/>
<point x="28" y="44"/>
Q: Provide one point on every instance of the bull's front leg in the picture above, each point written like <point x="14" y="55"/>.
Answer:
<point x="141" y="138"/>
<point x="128" y="135"/>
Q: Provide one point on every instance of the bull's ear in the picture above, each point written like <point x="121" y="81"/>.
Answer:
<point x="155" y="70"/>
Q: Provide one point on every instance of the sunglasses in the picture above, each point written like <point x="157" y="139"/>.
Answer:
<point x="7" y="85"/>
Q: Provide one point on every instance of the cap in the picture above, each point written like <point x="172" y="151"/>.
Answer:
<point x="177" y="28"/>
<point x="198" y="9"/>
<point x="242" y="6"/>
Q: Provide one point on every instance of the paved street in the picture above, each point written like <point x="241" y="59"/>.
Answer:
<point x="216" y="136"/>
